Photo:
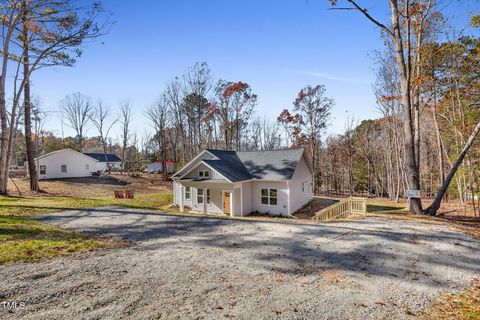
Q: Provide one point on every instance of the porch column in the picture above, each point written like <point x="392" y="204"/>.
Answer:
<point x="232" y="200"/>
<point x="182" y="193"/>
<point x="204" y="200"/>
<point x="241" y="200"/>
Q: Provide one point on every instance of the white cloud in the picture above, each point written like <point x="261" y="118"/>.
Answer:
<point x="336" y="78"/>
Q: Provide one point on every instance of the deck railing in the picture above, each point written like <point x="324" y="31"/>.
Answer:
<point x="342" y="209"/>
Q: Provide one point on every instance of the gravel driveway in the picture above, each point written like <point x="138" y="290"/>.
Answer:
<point x="202" y="268"/>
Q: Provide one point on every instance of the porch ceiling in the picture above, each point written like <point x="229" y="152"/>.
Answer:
<point x="207" y="183"/>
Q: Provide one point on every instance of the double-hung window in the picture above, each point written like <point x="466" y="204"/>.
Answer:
<point x="208" y="196"/>
<point x="187" y="193"/>
<point x="43" y="169"/>
<point x="200" y="196"/>
<point x="64" y="168"/>
<point x="269" y="197"/>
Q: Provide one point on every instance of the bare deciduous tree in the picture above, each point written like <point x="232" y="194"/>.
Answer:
<point x="100" y="119"/>
<point x="38" y="34"/>
<point x="125" y="121"/>
<point x="78" y="111"/>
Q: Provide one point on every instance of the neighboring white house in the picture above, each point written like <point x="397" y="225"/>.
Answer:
<point x="238" y="183"/>
<point x="68" y="163"/>
<point x="105" y="161"/>
<point x="157" y="167"/>
<point x="65" y="163"/>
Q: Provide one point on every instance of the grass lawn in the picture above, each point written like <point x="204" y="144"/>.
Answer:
<point x="27" y="206"/>
<point x="23" y="240"/>
<point x="386" y="206"/>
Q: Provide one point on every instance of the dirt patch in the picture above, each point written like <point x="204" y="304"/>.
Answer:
<point x="94" y="187"/>
<point x="312" y="207"/>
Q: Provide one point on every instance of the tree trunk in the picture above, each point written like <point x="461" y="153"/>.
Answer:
<point x="433" y="208"/>
<point x="415" y="205"/>
<point x="32" y="171"/>
<point x="3" y="116"/>
<point x="441" y="164"/>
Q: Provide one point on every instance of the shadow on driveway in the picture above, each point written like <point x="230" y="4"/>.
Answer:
<point x="432" y="255"/>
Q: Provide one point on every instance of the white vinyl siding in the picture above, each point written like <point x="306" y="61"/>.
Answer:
<point x="212" y="174"/>
<point x="247" y="198"/>
<point x="281" y="208"/>
<point x="300" y="186"/>
<point x="236" y="201"/>
<point x="66" y="163"/>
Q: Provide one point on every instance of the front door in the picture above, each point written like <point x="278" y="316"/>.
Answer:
<point x="226" y="202"/>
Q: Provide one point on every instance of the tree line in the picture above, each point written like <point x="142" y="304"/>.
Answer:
<point x="37" y="34"/>
<point x="427" y="89"/>
<point x="192" y="113"/>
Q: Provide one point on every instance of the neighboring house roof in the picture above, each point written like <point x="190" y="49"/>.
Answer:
<point x="62" y="150"/>
<point x="263" y="165"/>
<point x="102" y="157"/>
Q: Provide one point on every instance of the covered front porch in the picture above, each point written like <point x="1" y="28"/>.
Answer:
<point x="211" y="196"/>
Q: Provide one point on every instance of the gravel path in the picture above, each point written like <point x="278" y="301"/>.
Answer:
<point x="201" y="268"/>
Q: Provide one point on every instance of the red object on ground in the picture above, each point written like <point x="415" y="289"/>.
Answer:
<point x="118" y="194"/>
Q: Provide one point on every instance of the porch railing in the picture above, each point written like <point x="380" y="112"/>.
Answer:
<point x="342" y="209"/>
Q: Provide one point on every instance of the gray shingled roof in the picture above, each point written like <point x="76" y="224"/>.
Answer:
<point x="103" y="157"/>
<point x="246" y="165"/>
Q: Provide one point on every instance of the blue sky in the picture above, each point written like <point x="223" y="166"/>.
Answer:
<point x="277" y="46"/>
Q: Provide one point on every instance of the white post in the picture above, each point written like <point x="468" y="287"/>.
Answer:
<point x="241" y="200"/>
<point x="182" y="194"/>
<point x="231" y="202"/>
<point x="289" y="199"/>
<point x="204" y="200"/>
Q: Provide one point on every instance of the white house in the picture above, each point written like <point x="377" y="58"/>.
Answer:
<point x="157" y="167"/>
<point x="68" y="163"/>
<point x="238" y="183"/>
<point x="65" y="163"/>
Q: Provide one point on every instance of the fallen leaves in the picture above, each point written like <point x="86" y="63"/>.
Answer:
<point x="333" y="275"/>
<point x="463" y="305"/>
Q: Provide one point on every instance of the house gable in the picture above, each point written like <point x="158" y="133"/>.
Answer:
<point x="198" y="172"/>
<point x="204" y="155"/>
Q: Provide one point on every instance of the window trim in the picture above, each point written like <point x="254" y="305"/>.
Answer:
<point x="202" y="196"/>
<point x="208" y="197"/>
<point x="269" y="197"/>
<point x="203" y="173"/>
<point x="44" y="169"/>
<point x="189" y="192"/>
